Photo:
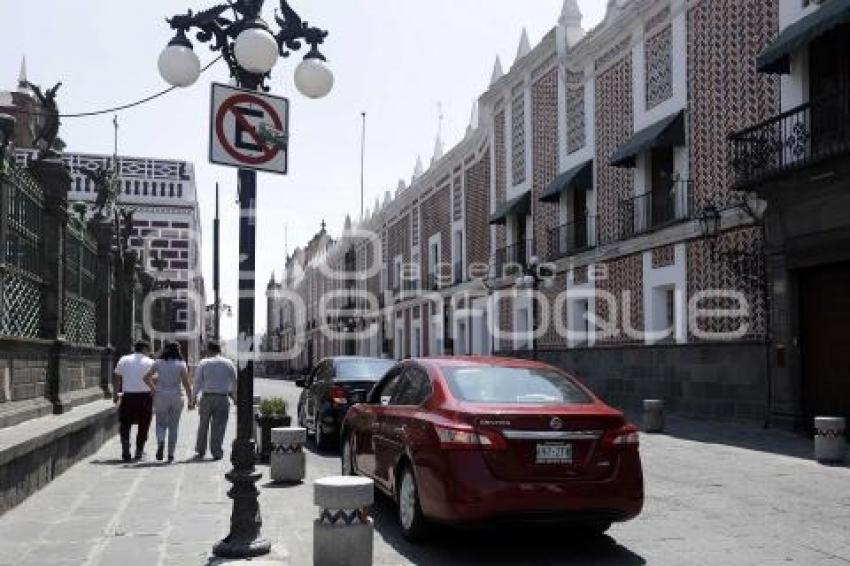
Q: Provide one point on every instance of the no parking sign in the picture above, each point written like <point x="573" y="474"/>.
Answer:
<point x="249" y="129"/>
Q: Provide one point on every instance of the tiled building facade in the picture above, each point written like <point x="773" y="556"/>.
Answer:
<point x="604" y="153"/>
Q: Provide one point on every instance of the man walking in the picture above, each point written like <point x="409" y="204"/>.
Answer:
<point x="215" y="379"/>
<point x="136" y="401"/>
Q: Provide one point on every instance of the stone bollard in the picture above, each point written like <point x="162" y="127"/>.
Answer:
<point x="288" y="461"/>
<point x="342" y="535"/>
<point x="653" y="415"/>
<point x="829" y="439"/>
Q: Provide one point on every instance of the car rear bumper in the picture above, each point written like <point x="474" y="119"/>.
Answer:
<point x="465" y="491"/>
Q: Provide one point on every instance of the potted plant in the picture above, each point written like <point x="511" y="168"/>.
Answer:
<point x="273" y="414"/>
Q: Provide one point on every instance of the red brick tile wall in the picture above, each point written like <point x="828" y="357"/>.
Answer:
<point x="622" y="274"/>
<point x="477" y="196"/>
<point x="436" y="218"/>
<point x="708" y="273"/>
<point x="725" y="92"/>
<point x="614" y="125"/>
<point x="399" y="244"/>
<point x="500" y="156"/>
<point x="544" y="120"/>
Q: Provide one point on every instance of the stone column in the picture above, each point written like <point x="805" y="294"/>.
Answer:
<point x="55" y="180"/>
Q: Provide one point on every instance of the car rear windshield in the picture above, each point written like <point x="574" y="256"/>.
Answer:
<point x="518" y="386"/>
<point x="362" y="370"/>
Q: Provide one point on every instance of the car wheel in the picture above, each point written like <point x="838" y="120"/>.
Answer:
<point x="348" y="456"/>
<point x="414" y="526"/>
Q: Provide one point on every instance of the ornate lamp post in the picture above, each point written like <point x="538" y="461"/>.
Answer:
<point x="237" y="30"/>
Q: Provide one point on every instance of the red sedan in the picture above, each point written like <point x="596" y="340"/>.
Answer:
<point x="459" y="440"/>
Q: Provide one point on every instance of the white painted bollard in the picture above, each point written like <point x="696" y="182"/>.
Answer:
<point x="288" y="461"/>
<point x="829" y="439"/>
<point x="342" y="535"/>
<point x="653" y="415"/>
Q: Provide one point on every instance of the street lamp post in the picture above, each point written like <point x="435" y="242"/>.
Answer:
<point x="237" y="30"/>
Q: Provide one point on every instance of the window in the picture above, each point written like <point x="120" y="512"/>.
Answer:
<point x="361" y="370"/>
<point x="413" y="389"/>
<point x="509" y="385"/>
<point x="383" y="392"/>
<point x="663" y="174"/>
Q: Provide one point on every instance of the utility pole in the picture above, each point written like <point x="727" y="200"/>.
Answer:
<point x="362" y="162"/>
<point x="216" y="267"/>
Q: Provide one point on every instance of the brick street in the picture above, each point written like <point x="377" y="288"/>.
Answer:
<point x="758" y="500"/>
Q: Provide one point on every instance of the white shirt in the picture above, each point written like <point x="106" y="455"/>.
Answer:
<point x="132" y="369"/>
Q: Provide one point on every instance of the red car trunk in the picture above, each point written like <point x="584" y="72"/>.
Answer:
<point x="549" y="443"/>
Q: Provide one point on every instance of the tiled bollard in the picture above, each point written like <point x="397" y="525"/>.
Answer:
<point x="342" y="535"/>
<point x="288" y="461"/>
<point x="653" y="415"/>
<point x="829" y="439"/>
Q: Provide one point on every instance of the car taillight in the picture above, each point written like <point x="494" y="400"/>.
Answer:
<point x="464" y="437"/>
<point x="627" y="436"/>
<point x="339" y="396"/>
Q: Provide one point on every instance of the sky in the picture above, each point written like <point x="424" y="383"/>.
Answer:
<point x="396" y="60"/>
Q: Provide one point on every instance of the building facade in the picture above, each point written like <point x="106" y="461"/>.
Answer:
<point x="606" y="155"/>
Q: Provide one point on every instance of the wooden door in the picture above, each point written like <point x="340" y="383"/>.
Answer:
<point x="825" y="340"/>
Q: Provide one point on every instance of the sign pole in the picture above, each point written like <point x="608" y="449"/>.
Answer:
<point x="246" y="522"/>
<point x="216" y="272"/>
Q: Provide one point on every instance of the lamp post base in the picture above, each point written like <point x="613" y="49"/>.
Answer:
<point x="245" y="521"/>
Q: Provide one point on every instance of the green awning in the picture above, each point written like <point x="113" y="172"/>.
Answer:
<point x="521" y="205"/>
<point x="776" y="58"/>
<point x="668" y="132"/>
<point x="580" y="176"/>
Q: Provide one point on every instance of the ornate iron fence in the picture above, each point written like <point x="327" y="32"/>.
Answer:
<point x="79" y="307"/>
<point x="654" y="210"/>
<point x="508" y="261"/>
<point x="796" y="138"/>
<point x="21" y="281"/>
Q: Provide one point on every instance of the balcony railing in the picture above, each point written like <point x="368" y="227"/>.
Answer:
<point x="654" y="210"/>
<point x="514" y="255"/>
<point x="573" y="237"/>
<point x="794" y="139"/>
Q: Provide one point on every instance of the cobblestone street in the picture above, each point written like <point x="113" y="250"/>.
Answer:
<point x="757" y="501"/>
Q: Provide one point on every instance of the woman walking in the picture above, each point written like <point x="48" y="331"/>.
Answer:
<point x="166" y="376"/>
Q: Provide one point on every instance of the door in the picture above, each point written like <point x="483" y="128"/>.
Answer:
<point x="829" y="80"/>
<point x="825" y="341"/>
<point x="662" y="201"/>
<point x="413" y="388"/>
<point x="579" y="227"/>
<point x="366" y="426"/>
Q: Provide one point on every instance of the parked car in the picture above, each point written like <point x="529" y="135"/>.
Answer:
<point x="331" y="389"/>
<point x="462" y="440"/>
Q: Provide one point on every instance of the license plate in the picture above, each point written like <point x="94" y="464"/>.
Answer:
<point x="554" y="454"/>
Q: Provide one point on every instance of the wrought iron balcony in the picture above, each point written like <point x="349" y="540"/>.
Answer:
<point x="572" y="237"/>
<point x="794" y="139"/>
<point x="514" y="255"/>
<point x="655" y="209"/>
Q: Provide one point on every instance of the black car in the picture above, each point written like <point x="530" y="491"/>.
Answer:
<point x="335" y="385"/>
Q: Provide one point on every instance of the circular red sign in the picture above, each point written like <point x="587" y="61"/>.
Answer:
<point x="229" y="106"/>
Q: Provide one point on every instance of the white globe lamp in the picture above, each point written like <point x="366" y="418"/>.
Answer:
<point x="256" y="50"/>
<point x="178" y="63"/>
<point x="313" y="78"/>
